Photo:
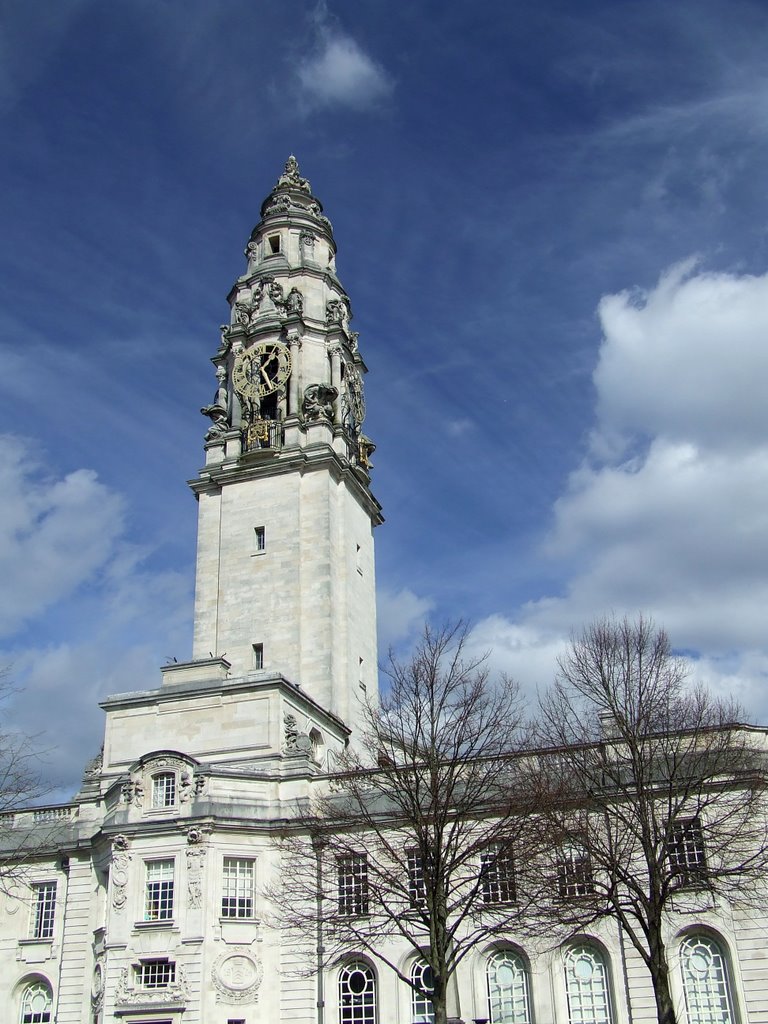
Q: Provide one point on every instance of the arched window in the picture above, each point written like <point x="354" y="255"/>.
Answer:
<point x="586" y="980"/>
<point x="357" y="994"/>
<point x="705" y="981"/>
<point x="507" y="980"/>
<point x="36" y="1003"/>
<point x="422" y="1010"/>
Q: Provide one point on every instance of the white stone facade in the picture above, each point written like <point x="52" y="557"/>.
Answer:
<point x="143" y="901"/>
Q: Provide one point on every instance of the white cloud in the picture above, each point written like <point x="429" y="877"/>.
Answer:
<point x="688" y="360"/>
<point x="668" y="514"/>
<point x="338" y="72"/>
<point x="400" y="616"/>
<point x="54" y="533"/>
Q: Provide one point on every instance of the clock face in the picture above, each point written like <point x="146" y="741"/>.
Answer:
<point x="260" y="370"/>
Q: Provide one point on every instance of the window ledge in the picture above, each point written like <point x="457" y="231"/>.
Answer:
<point x="36" y="942"/>
<point x="168" y="922"/>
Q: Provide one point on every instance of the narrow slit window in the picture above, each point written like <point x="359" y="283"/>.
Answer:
<point x="260" y="539"/>
<point x="258" y="656"/>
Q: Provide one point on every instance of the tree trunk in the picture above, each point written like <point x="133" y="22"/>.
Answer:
<point x="440" y="1003"/>
<point x="659" y="968"/>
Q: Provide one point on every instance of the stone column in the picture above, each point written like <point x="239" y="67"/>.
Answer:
<point x="335" y="351"/>
<point x="294" y="343"/>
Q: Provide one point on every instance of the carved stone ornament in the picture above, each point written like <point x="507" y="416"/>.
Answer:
<point x="237" y="975"/>
<point x="97" y="985"/>
<point x="127" y="992"/>
<point x="317" y="213"/>
<point x="353" y="400"/>
<point x="93" y="768"/>
<point x="267" y="297"/>
<point x="318" y="401"/>
<point x="281" y="203"/>
<point x="196" y="851"/>
<point x="132" y="791"/>
<point x="307" y="239"/>
<point x="217" y="410"/>
<point x="118" y="875"/>
<point x="337" y="312"/>
<point x="226" y="342"/>
<point x="295" y="742"/>
<point x="366" y="448"/>
<point x="290" y="178"/>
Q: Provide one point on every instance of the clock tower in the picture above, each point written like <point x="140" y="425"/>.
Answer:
<point x="285" y="564"/>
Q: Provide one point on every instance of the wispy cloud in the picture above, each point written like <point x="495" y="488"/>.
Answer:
<point x="337" y="72"/>
<point x="55" y="534"/>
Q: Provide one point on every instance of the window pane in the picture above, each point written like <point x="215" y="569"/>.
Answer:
<point x="587" y="986"/>
<point x="164" y="790"/>
<point x="156" y="973"/>
<point x="574" y="870"/>
<point x="36" y="1004"/>
<point x="497" y="875"/>
<point x="237" y="892"/>
<point x="416" y="891"/>
<point x="421" y="1004"/>
<point x="159" y="896"/>
<point x="353" y="884"/>
<point x="507" y="981"/>
<point x="45" y="908"/>
<point x="705" y="981"/>
<point x="686" y="847"/>
<point x="357" y="994"/>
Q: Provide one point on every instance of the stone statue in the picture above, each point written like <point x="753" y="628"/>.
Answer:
<point x="217" y="410"/>
<point x="290" y="178"/>
<point x="295" y="742"/>
<point x="318" y="401"/>
<point x="295" y="301"/>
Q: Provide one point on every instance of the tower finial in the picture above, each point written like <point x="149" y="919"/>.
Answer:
<point x="290" y="178"/>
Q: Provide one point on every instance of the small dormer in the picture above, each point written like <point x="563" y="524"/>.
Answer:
<point x="160" y="783"/>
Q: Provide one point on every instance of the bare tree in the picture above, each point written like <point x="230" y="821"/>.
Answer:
<point x="652" y="795"/>
<point x="21" y="786"/>
<point x="414" y="841"/>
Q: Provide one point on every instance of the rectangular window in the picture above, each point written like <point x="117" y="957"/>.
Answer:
<point x="260" y="538"/>
<point x="164" y="789"/>
<point x="274" y="244"/>
<point x="237" y="891"/>
<point x="258" y="655"/>
<point x="159" y="894"/>
<point x="686" y="848"/>
<point x="353" y="884"/>
<point x="497" y="875"/>
<point x="44" y="910"/>
<point x="416" y="889"/>
<point x="574" y="872"/>
<point x="156" y="973"/>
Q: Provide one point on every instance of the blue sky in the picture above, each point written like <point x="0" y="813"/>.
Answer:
<point x="552" y="222"/>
